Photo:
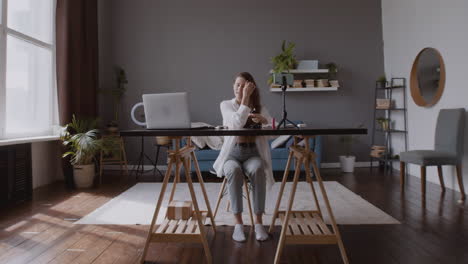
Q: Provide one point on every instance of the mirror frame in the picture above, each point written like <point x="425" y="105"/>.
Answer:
<point x="416" y="90"/>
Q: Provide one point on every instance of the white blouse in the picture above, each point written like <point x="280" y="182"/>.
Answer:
<point x="234" y="117"/>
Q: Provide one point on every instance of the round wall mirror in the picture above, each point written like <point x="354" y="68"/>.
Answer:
<point x="427" y="77"/>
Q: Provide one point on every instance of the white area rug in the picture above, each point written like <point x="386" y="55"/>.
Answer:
<point x="137" y="204"/>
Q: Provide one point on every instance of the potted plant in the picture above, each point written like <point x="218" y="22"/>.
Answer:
<point x="384" y="123"/>
<point x="332" y="70"/>
<point x="117" y="94"/>
<point x="81" y="139"/>
<point x="284" y="61"/>
<point x="348" y="160"/>
<point x="381" y="82"/>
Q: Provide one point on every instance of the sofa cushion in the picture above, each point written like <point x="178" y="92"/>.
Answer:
<point x="207" y="154"/>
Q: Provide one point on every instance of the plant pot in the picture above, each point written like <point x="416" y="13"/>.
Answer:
<point x="381" y="85"/>
<point x="83" y="175"/>
<point x="385" y="126"/>
<point x="347" y="163"/>
<point x="163" y="141"/>
<point x="113" y="129"/>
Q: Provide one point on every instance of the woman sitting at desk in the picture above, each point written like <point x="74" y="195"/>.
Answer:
<point x="245" y="155"/>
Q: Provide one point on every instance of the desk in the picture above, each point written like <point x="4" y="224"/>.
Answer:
<point x="298" y="227"/>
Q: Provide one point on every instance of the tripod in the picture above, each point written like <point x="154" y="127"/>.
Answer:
<point x="285" y="119"/>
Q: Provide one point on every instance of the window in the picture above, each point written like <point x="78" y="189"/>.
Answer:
<point x="28" y="96"/>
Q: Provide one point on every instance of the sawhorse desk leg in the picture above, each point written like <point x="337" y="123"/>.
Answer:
<point x="192" y="230"/>
<point x="305" y="227"/>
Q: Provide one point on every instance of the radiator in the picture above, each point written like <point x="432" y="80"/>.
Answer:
<point x="15" y="174"/>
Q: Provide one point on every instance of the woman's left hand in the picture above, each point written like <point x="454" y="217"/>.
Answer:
<point x="258" y="118"/>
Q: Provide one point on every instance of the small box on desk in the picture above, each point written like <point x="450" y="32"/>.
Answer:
<point x="179" y="210"/>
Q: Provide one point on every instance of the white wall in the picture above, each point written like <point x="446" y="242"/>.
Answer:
<point x="46" y="163"/>
<point x="408" y="27"/>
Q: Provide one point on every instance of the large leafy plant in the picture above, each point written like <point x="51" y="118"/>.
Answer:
<point x="81" y="138"/>
<point x="286" y="60"/>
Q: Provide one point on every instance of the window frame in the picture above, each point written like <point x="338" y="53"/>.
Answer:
<point x="5" y="31"/>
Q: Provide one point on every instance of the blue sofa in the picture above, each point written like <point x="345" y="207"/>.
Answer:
<point x="279" y="156"/>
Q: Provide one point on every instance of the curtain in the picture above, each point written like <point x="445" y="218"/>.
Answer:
<point x="77" y="64"/>
<point x="77" y="58"/>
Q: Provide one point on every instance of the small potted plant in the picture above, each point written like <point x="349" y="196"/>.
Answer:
<point x="384" y="123"/>
<point x="117" y="94"/>
<point x="381" y="82"/>
<point x="347" y="161"/>
<point x="81" y="139"/>
<point x="284" y="61"/>
<point x="332" y="70"/>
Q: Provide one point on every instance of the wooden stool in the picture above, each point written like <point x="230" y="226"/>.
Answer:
<point x="119" y="159"/>
<point x="221" y="195"/>
<point x="193" y="229"/>
<point x="304" y="227"/>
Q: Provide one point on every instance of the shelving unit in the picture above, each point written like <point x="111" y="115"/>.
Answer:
<point x="306" y="89"/>
<point x="387" y="159"/>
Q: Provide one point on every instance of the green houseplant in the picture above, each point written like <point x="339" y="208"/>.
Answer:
<point x="81" y="140"/>
<point x="284" y="61"/>
<point x="384" y="123"/>
<point x="332" y="71"/>
<point x="117" y="94"/>
<point x="381" y="82"/>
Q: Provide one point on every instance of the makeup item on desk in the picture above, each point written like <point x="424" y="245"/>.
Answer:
<point x="273" y="122"/>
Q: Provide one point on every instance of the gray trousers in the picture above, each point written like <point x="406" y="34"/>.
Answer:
<point x="245" y="161"/>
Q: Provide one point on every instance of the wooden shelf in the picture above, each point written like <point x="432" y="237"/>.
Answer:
<point x="178" y="230"/>
<point x="307" y="227"/>
<point x="307" y="89"/>
<point x="305" y="71"/>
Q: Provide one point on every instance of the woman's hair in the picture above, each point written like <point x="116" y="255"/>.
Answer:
<point x="255" y="104"/>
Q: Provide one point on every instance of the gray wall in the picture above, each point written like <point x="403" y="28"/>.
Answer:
<point x="199" y="46"/>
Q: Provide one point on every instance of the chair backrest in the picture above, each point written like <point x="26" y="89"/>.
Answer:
<point x="450" y="131"/>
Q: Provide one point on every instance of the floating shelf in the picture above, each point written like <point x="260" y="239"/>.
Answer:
<point x="308" y="89"/>
<point x="306" y="71"/>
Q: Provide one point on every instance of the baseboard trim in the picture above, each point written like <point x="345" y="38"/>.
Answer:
<point x="326" y="165"/>
<point x="133" y="167"/>
<point x="360" y="164"/>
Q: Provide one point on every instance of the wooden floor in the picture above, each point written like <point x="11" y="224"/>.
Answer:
<point x="42" y="231"/>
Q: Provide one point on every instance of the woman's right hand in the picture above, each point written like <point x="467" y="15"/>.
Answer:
<point x="249" y="87"/>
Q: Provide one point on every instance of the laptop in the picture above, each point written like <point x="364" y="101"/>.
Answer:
<point x="166" y="111"/>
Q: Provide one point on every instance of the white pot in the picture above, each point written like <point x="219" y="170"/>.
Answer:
<point x="83" y="175"/>
<point x="347" y="163"/>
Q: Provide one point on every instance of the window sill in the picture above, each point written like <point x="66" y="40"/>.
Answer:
<point x="15" y="141"/>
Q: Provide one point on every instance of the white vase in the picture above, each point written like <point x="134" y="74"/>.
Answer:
<point x="83" y="175"/>
<point x="347" y="163"/>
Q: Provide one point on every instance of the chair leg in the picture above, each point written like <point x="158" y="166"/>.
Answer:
<point x="441" y="178"/>
<point x="460" y="181"/>
<point x="423" y="182"/>
<point x="402" y="175"/>
<point x="220" y="196"/>
<point x="249" y="204"/>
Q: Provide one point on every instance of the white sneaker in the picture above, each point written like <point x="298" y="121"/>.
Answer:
<point x="260" y="232"/>
<point x="238" y="234"/>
